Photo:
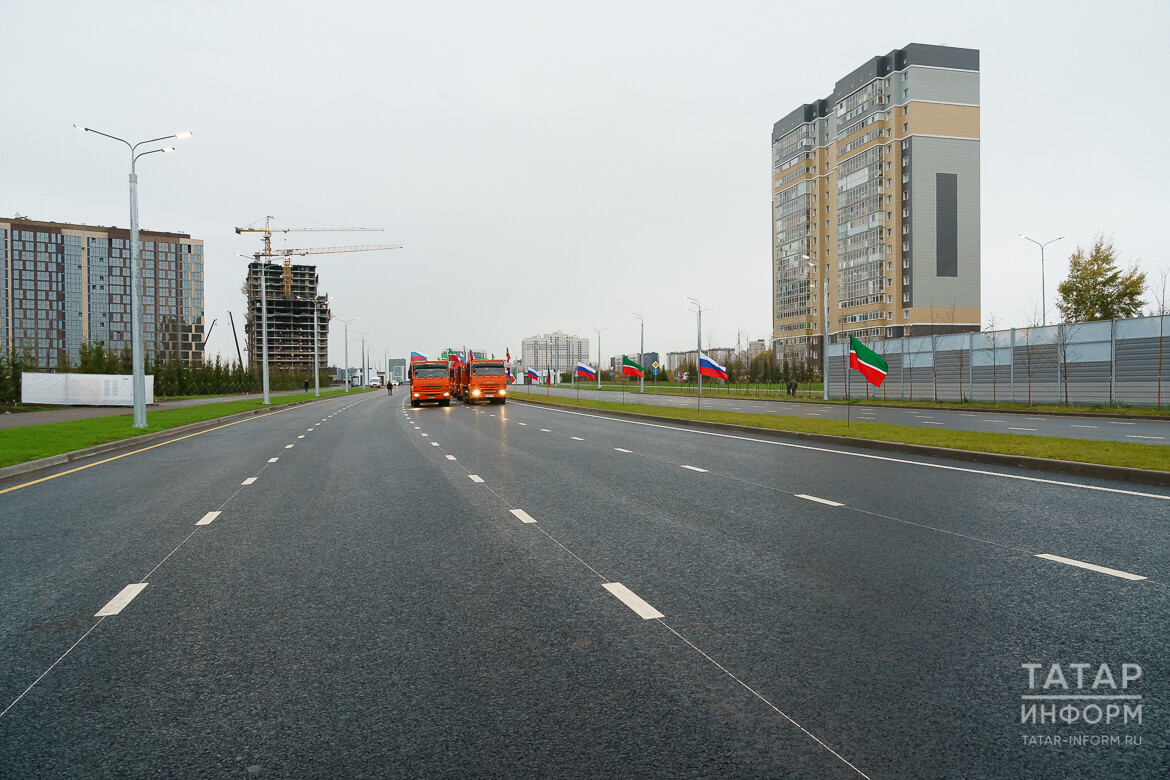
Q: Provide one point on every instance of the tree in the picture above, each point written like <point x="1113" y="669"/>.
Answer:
<point x="1159" y="291"/>
<point x="1096" y="289"/>
<point x="993" y="344"/>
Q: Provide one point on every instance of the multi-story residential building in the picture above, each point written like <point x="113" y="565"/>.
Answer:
<point x="721" y="355"/>
<point x="63" y="284"/>
<point x="290" y="319"/>
<point x="558" y="351"/>
<point x="875" y="200"/>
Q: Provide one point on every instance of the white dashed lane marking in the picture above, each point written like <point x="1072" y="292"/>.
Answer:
<point x="632" y="600"/>
<point x="824" y="501"/>
<point x="248" y="481"/>
<point x="207" y="518"/>
<point x="119" y="602"/>
<point x="1091" y="567"/>
<point x="476" y="478"/>
<point x="696" y="468"/>
<point x="524" y="516"/>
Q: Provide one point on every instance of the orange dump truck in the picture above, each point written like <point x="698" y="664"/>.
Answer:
<point x="429" y="382"/>
<point x="483" y="380"/>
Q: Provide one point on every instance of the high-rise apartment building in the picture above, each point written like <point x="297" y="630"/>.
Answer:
<point x="290" y="319"/>
<point x="63" y="284"/>
<point x="558" y="351"/>
<point x="875" y="204"/>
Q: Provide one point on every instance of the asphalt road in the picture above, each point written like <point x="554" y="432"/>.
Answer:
<point x="1039" y="424"/>
<point x="376" y="603"/>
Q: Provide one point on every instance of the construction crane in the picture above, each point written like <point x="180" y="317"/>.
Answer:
<point x="287" y="254"/>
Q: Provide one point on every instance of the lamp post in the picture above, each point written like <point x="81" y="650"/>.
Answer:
<point x="363" y="334"/>
<point x="139" y="383"/>
<point x="316" y="349"/>
<point x="263" y="320"/>
<point x="641" y="352"/>
<point x="598" y="332"/>
<point x="699" y="341"/>
<point x="1043" y="297"/>
<point x="824" y="306"/>
<point x="346" y="323"/>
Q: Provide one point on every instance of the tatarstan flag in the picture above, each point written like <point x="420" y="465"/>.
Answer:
<point x="630" y="368"/>
<point x="871" y="365"/>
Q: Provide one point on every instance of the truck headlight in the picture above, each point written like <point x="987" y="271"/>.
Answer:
<point x="416" y="395"/>
<point x="475" y="391"/>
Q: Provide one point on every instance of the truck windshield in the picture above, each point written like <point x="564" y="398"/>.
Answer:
<point x="487" y="369"/>
<point x="430" y="373"/>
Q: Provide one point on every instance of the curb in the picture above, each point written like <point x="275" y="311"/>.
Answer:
<point x="1120" y="473"/>
<point x="43" y="464"/>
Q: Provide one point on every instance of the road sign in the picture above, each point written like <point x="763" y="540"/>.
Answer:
<point x="611" y="372"/>
<point x="678" y="375"/>
<point x="655" y="364"/>
<point x="656" y="372"/>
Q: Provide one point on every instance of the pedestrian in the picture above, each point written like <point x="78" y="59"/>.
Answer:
<point x="389" y="386"/>
<point x="306" y="385"/>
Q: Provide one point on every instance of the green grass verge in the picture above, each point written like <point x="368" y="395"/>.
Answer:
<point x="1109" y="453"/>
<point x="32" y="442"/>
<point x="813" y="395"/>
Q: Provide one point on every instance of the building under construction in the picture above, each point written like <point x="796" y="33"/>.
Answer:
<point x="290" y="319"/>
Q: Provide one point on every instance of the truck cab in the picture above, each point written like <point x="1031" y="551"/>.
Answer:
<point x="484" y="380"/>
<point x="429" y="382"/>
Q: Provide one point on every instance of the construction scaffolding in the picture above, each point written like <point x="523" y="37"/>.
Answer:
<point x="290" y="318"/>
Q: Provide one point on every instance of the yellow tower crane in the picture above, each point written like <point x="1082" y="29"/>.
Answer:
<point x="287" y="254"/>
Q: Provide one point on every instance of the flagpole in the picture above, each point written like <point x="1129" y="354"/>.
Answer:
<point x="848" y="398"/>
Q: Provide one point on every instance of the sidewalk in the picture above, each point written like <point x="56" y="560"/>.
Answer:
<point x="69" y="413"/>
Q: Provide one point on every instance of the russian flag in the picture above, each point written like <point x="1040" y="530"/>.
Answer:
<point x="417" y="357"/>
<point x="708" y="367"/>
<point x="586" y="371"/>
<point x="535" y="377"/>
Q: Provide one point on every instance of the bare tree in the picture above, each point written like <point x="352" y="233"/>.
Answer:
<point x="993" y="345"/>
<point x="1065" y="335"/>
<point x="1032" y="354"/>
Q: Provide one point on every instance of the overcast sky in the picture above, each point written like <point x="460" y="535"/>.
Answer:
<point x="555" y="166"/>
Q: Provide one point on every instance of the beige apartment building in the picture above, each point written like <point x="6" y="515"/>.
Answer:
<point x="875" y="201"/>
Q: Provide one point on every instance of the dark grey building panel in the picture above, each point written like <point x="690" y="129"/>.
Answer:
<point x="946" y="228"/>
<point x="938" y="57"/>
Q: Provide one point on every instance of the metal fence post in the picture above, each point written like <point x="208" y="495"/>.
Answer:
<point x="1112" y="359"/>
<point x="1013" y="353"/>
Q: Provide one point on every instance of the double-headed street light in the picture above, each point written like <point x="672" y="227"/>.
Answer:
<point x="263" y="320"/>
<point x="316" y="350"/>
<point x="1043" y="297"/>
<point x="139" y="383"/>
<point x="363" y="334"/>
<point x="641" y="352"/>
<point x="598" y="332"/>
<point x="824" y="305"/>
<point x="698" y="310"/>
<point x="346" y="323"/>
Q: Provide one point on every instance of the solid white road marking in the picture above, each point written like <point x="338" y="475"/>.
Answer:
<point x="619" y="449"/>
<point x="273" y="460"/>
<point x="1021" y="429"/>
<point x="1082" y="426"/>
<point x="524" y="516"/>
<point x="632" y="600"/>
<point x="450" y="457"/>
<point x="696" y="468"/>
<point x="578" y="438"/>
<point x="248" y="481"/>
<point x="1134" y="436"/>
<point x="1091" y="567"/>
<point x="825" y="501"/>
<point x="476" y="478"/>
<point x="119" y="602"/>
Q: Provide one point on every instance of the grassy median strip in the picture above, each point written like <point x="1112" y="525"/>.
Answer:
<point x="1109" y="453"/>
<point x="33" y="442"/>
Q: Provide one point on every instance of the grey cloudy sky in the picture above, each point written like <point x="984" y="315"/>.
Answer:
<point x="554" y="165"/>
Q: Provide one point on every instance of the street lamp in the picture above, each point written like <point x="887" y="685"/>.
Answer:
<point x="363" y="334"/>
<point x="641" y="352"/>
<point x="598" y="332"/>
<point x="1043" y="297"/>
<point x="139" y="383"/>
<point x="698" y="310"/>
<point x="316" y="349"/>
<point x="346" y="323"/>
<point x="824" y="306"/>
<point x="263" y="321"/>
